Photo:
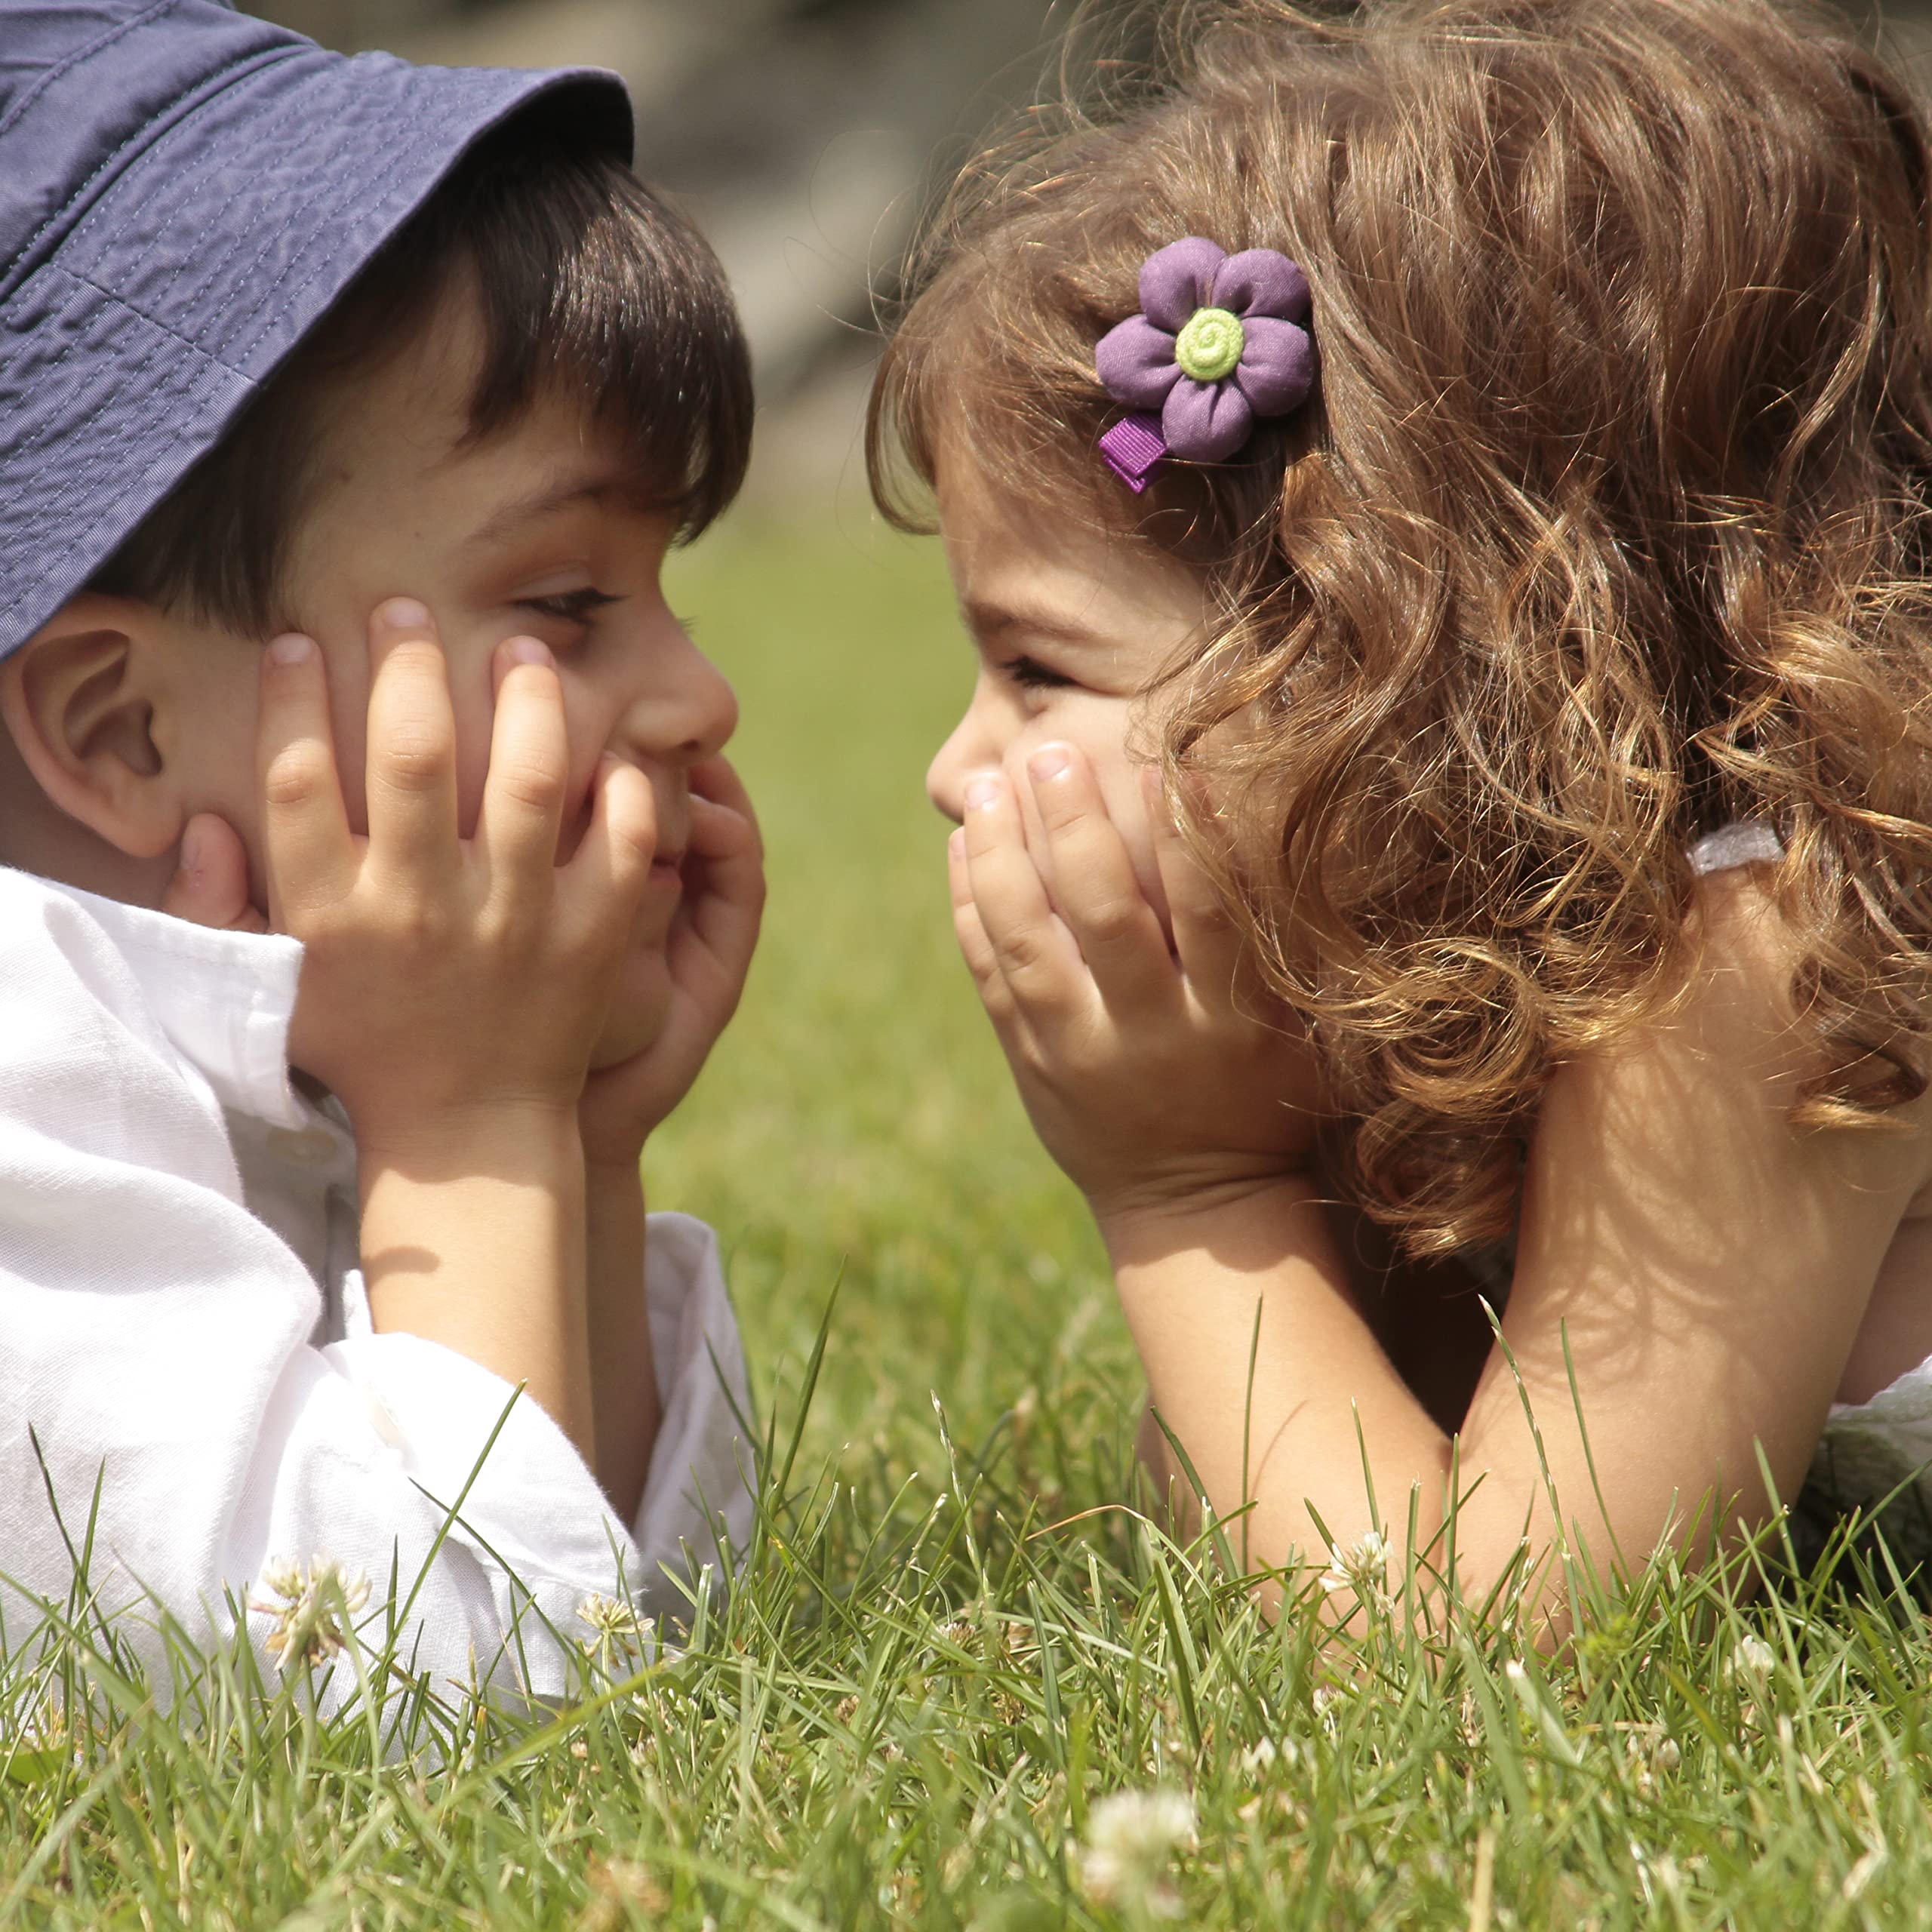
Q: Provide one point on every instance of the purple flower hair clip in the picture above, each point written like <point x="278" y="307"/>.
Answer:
<point x="1220" y="340"/>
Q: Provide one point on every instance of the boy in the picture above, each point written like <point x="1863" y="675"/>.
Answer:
<point x="286" y="338"/>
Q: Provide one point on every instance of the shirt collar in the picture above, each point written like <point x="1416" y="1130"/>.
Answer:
<point x="224" y="999"/>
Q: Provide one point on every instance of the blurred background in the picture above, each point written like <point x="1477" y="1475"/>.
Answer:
<point x="855" y="1139"/>
<point x="804" y="137"/>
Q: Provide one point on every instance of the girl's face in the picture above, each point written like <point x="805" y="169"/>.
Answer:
<point x="1069" y="625"/>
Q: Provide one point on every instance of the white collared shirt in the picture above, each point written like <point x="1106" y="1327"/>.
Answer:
<point x="182" y="1312"/>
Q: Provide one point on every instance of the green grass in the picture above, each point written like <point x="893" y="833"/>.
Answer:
<point x="951" y="1644"/>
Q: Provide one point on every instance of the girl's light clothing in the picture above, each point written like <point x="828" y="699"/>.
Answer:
<point x="182" y="1311"/>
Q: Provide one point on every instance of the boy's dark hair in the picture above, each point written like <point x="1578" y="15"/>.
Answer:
<point x="583" y="278"/>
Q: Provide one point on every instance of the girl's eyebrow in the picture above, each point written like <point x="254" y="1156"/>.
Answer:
<point x="990" y="622"/>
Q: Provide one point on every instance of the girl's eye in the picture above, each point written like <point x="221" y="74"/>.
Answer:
<point x="571" y="606"/>
<point x="1031" y="675"/>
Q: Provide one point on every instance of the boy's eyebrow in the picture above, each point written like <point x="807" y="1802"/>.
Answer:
<point x="989" y="621"/>
<point x="560" y="493"/>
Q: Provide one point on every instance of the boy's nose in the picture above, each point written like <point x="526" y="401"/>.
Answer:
<point x="697" y="719"/>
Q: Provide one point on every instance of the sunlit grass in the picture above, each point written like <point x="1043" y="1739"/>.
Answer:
<point x="951" y="1645"/>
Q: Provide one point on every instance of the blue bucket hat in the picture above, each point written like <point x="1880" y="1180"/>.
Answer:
<point x="184" y="191"/>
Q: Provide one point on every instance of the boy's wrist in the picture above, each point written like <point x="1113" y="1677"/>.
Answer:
<point x="506" y="1140"/>
<point x="610" y="1177"/>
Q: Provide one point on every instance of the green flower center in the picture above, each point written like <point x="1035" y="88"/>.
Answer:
<point x="1209" y="346"/>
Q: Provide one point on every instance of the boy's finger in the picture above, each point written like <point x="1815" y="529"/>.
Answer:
<point x="725" y="913"/>
<point x="1097" y="895"/>
<point x="1206" y="941"/>
<point x="716" y="780"/>
<point x="306" y="837"/>
<point x="410" y="776"/>
<point x="523" y="792"/>
<point x="210" y="886"/>
<point x="1035" y="954"/>
<point x="605" y="878"/>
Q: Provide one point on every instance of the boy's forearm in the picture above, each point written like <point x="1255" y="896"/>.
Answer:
<point x="475" y="1239"/>
<point x="623" y="1371"/>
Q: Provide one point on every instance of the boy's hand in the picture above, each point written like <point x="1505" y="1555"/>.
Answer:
<point x="708" y="954"/>
<point x="1155" y="1077"/>
<point x="444" y="979"/>
<point x="210" y="886"/>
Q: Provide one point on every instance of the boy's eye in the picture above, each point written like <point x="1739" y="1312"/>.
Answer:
<point x="571" y="607"/>
<point x="1031" y="675"/>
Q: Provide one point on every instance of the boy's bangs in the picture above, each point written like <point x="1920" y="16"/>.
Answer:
<point x="585" y="281"/>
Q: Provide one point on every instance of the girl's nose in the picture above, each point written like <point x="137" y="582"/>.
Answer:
<point x="946" y="777"/>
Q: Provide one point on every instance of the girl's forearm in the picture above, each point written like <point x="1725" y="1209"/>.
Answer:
<point x="623" y="1371"/>
<point x="1269" y="1415"/>
<point x="474" y="1237"/>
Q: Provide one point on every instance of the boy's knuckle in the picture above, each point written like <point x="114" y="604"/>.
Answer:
<point x="529" y="782"/>
<point x="295" y="774"/>
<point x="416" y="758"/>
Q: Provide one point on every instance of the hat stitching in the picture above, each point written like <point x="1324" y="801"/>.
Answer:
<point x="226" y="76"/>
<point x="267" y="316"/>
<point x="67" y="348"/>
<point x="273" y="312"/>
<point x="278" y="296"/>
<point x="161" y="147"/>
<point x="74" y="60"/>
<point x="399" y="163"/>
<point x="78" y="481"/>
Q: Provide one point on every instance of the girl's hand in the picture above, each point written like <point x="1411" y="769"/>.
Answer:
<point x="707" y="953"/>
<point x="1158" y="1077"/>
<point x="445" y="979"/>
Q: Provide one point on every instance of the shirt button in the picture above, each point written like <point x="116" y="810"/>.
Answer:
<point x="306" y="1147"/>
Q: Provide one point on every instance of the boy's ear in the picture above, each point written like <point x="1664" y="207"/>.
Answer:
<point x="79" y="700"/>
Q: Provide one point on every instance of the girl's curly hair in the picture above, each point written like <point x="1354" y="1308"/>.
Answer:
<point x="1609" y="527"/>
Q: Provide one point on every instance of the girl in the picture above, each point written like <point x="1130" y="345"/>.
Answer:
<point x="1484" y="443"/>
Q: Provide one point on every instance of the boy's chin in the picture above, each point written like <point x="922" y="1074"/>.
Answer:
<point x="639" y="1005"/>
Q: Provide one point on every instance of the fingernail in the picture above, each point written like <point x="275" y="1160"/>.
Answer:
<point x="956" y="844"/>
<point x="192" y="841"/>
<point x="291" y="648"/>
<point x="1049" y="761"/>
<point x="403" y="613"/>
<point x="528" y="650"/>
<point x="981" y="792"/>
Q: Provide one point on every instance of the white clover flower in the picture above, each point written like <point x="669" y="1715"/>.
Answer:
<point x="1265" y="1755"/>
<point x="1665" y="1755"/>
<point x="1362" y="1567"/>
<point x="310" y="1607"/>
<point x="1753" y="1658"/>
<point x="1131" y="1838"/>
<point x="1323" y="1700"/>
<point x="614" y="1619"/>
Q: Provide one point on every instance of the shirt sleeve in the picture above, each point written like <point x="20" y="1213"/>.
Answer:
<point x="158" y="1340"/>
<point x="530" y="1509"/>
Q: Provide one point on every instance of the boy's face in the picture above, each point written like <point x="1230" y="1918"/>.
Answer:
<point x="538" y="532"/>
<point x="1070" y="626"/>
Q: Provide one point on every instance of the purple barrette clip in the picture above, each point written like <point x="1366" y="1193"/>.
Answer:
<point x="1221" y="340"/>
